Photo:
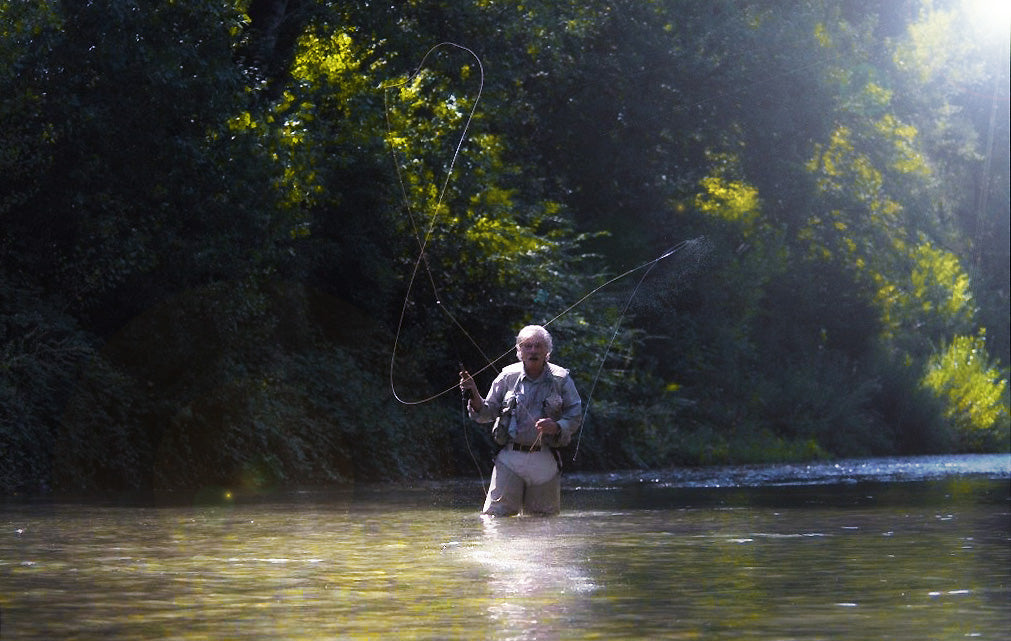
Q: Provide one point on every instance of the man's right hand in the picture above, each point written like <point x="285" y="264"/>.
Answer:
<point x="468" y="386"/>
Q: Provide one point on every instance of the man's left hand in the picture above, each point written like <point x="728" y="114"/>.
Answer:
<point x="548" y="427"/>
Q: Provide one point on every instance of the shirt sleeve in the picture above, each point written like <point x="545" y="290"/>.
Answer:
<point x="492" y="402"/>
<point x="572" y="413"/>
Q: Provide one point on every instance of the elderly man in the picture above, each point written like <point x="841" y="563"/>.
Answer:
<point x="536" y="409"/>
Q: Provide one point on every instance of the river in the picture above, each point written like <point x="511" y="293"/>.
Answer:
<point x="913" y="549"/>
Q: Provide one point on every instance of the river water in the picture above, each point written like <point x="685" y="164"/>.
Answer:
<point x="911" y="549"/>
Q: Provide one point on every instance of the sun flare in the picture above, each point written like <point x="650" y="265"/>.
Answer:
<point x="992" y="15"/>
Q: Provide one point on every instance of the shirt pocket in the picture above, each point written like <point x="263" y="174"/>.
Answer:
<point x="509" y="402"/>
<point x="553" y="406"/>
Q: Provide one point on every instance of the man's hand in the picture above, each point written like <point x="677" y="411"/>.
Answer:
<point x="469" y="389"/>
<point x="548" y="427"/>
<point x="467" y="383"/>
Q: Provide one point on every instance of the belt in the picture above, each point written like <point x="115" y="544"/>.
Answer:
<point x="526" y="448"/>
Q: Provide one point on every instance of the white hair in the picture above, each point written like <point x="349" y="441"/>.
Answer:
<point x="535" y="330"/>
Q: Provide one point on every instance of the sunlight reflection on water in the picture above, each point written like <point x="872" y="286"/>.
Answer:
<point x="627" y="559"/>
<point x="921" y="468"/>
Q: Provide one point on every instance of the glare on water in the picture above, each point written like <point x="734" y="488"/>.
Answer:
<point x="670" y="555"/>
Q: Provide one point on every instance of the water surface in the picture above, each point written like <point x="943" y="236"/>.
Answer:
<point x="899" y="549"/>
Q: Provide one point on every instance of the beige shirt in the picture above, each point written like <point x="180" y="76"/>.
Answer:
<point x="551" y="395"/>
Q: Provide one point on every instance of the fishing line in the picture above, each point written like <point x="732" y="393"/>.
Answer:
<point x="466" y="439"/>
<point x="617" y="326"/>
<point x="423" y="239"/>
<point x="648" y="266"/>
<point x="603" y="359"/>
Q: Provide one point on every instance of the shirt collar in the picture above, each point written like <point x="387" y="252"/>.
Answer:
<point x="526" y="377"/>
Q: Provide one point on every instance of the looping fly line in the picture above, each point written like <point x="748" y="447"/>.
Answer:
<point x="424" y="238"/>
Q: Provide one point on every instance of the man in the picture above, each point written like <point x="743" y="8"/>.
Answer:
<point x="536" y="409"/>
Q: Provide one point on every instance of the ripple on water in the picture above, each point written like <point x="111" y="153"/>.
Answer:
<point x="849" y="471"/>
<point x="719" y="565"/>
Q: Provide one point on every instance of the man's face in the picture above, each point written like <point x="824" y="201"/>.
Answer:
<point x="532" y="350"/>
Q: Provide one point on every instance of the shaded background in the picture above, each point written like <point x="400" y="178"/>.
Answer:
<point x="210" y="214"/>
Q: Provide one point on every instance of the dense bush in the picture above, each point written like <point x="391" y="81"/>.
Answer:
<point x="247" y="243"/>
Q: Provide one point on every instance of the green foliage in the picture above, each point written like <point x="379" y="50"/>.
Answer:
<point x="933" y="302"/>
<point x="974" y="392"/>
<point x="215" y="218"/>
<point x="249" y="385"/>
<point x="41" y="349"/>
<point x="118" y="194"/>
<point x="951" y="81"/>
